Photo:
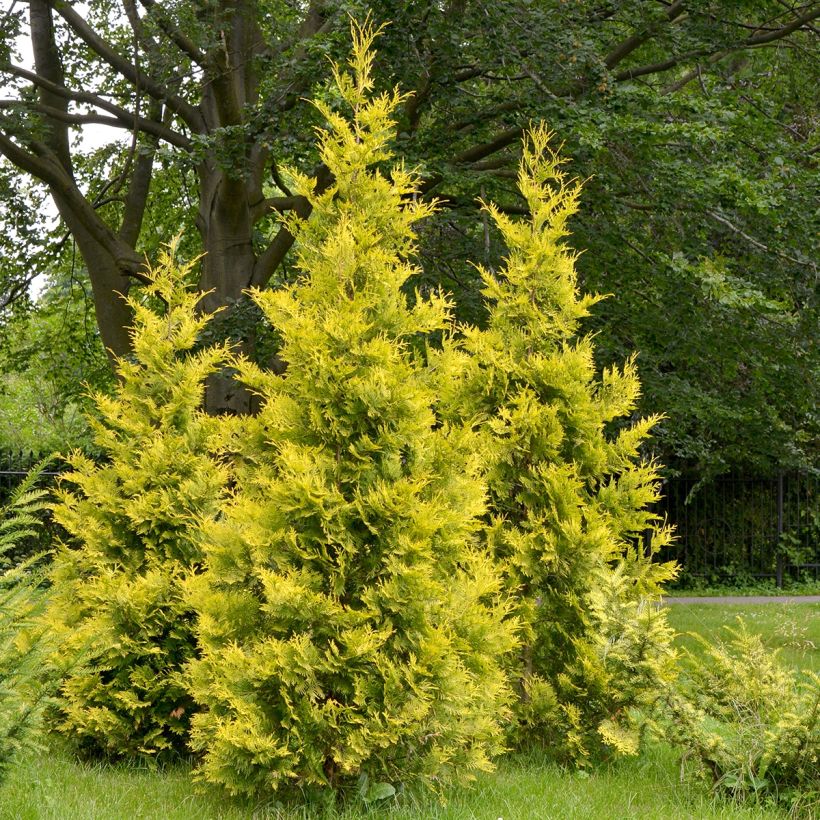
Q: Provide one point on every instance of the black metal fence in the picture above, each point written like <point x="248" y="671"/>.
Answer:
<point x="730" y="528"/>
<point x="737" y="526"/>
<point x="14" y="467"/>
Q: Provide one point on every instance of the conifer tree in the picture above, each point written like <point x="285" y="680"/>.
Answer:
<point x="568" y="495"/>
<point x="350" y="631"/>
<point x="132" y="522"/>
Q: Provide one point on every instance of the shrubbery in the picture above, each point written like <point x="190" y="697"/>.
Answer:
<point x="27" y="675"/>
<point x="350" y="623"/>
<point x="350" y="626"/>
<point x="426" y="525"/>
<point x="132" y="523"/>
<point x="568" y="498"/>
<point x="750" y="725"/>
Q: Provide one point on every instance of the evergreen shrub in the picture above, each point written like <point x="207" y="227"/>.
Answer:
<point x="569" y="490"/>
<point x="422" y="519"/>
<point x="352" y="633"/>
<point x="749" y="724"/>
<point x="132" y="522"/>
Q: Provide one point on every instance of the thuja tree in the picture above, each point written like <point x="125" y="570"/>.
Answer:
<point x="568" y="489"/>
<point x="350" y="632"/>
<point x="131" y="522"/>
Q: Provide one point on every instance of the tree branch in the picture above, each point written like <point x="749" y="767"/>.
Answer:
<point x="625" y="48"/>
<point x="482" y="116"/>
<point x="674" y="10"/>
<point x="182" y="42"/>
<point x="317" y="22"/>
<point x="17" y="290"/>
<point x="187" y="112"/>
<point x="42" y="163"/>
<point x="777" y="34"/>
<point x="139" y="186"/>
<point x="694" y="74"/>
<point x="273" y="255"/>
<point x="499" y="141"/>
<point x="125" y="117"/>
<point x="276" y="204"/>
<point x="136" y="198"/>
<point x="147" y="126"/>
<point x="30" y="163"/>
<point x="453" y="201"/>
<point x="48" y="64"/>
<point x="750" y="239"/>
<point x="749" y="42"/>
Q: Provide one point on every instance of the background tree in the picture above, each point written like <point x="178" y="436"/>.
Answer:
<point x="51" y="359"/>
<point x="695" y="120"/>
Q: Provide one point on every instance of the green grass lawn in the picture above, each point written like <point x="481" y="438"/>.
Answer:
<point x="53" y="785"/>
<point x="792" y="629"/>
<point x="762" y="587"/>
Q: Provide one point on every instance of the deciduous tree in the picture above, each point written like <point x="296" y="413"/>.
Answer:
<point x="673" y="107"/>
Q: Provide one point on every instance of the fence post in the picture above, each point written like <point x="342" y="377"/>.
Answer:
<point x="779" y="543"/>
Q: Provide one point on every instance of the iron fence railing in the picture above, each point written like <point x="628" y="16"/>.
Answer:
<point x="739" y="525"/>
<point x="729" y="527"/>
<point x="14" y="467"/>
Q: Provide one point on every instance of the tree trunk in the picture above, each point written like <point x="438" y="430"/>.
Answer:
<point x="106" y="256"/>
<point x="226" y="228"/>
<point x="227" y="190"/>
<point x="110" y="287"/>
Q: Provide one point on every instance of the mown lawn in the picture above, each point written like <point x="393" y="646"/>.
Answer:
<point x="57" y="788"/>
<point x="792" y="629"/>
<point x="54" y="786"/>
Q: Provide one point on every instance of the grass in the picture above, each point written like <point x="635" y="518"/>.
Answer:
<point x="697" y="587"/>
<point x="54" y="786"/>
<point x="792" y="629"/>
